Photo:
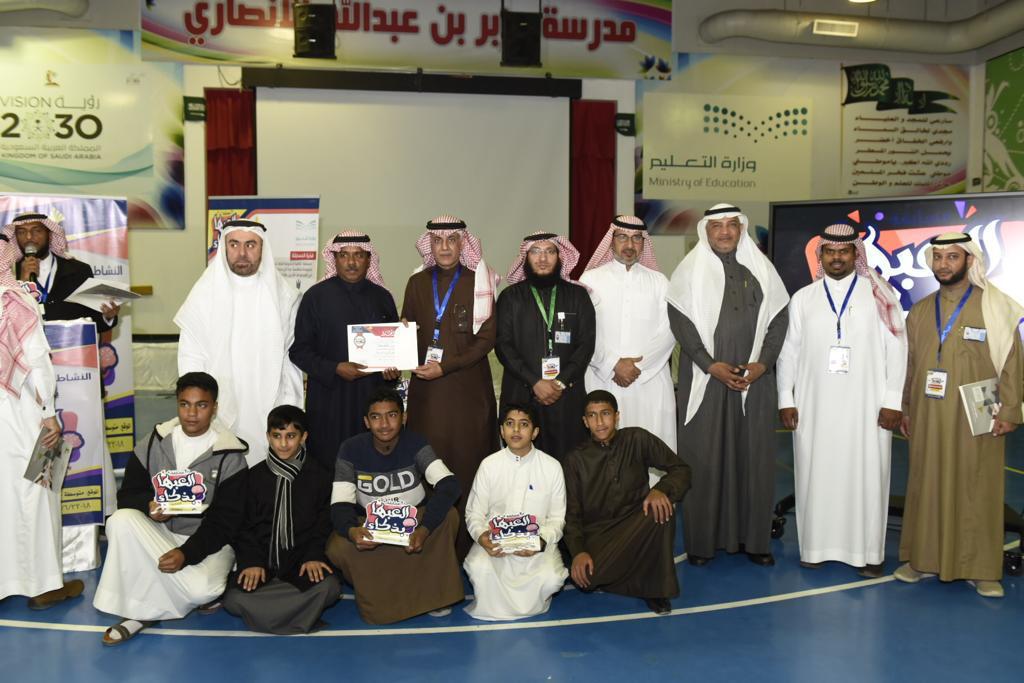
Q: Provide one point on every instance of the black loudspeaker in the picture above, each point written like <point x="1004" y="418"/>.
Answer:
<point x="520" y="38"/>
<point x="315" y="25"/>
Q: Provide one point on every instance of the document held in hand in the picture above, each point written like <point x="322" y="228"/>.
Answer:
<point x="94" y="293"/>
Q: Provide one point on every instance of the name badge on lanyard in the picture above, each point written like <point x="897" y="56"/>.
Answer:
<point x="937" y="379"/>
<point x="839" y="355"/>
<point x="434" y="350"/>
<point x="550" y="365"/>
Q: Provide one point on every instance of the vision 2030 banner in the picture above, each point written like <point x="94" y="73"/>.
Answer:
<point x="80" y="115"/>
<point x="589" y="38"/>
<point x="79" y="410"/>
<point x="292" y="223"/>
<point x="97" y="234"/>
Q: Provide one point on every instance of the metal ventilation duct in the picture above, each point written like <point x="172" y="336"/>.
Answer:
<point x="901" y="35"/>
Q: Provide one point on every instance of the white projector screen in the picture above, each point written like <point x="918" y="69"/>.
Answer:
<point x="386" y="163"/>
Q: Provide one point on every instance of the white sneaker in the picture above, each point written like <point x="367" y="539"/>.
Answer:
<point x="443" y="612"/>
<point x="988" y="589"/>
<point x="908" y="574"/>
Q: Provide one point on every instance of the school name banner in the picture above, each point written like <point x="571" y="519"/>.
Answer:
<point x="76" y="363"/>
<point x="585" y="38"/>
<point x="292" y="223"/>
<point x="97" y="232"/>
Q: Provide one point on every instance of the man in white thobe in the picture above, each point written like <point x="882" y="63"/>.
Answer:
<point x="30" y="523"/>
<point x="517" y="479"/>
<point x="237" y="324"/>
<point x="634" y="341"/>
<point x="841" y="375"/>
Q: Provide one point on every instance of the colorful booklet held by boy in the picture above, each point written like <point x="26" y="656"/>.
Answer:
<point x="518" y="531"/>
<point x="180" y="492"/>
<point x="391" y="521"/>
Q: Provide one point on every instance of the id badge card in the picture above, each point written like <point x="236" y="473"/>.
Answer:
<point x="550" y="367"/>
<point x="978" y="334"/>
<point x="935" y="383"/>
<point x="839" y="360"/>
<point x="563" y="337"/>
<point x="434" y="353"/>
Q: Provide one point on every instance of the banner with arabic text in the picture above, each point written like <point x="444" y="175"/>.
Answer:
<point x="904" y="129"/>
<point x="584" y="38"/>
<point x="80" y="412"/>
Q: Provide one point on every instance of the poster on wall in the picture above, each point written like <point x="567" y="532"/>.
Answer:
<point x="80" y="114"/>
<point x="1003" y="156"/>
<point x="97" y="234"/>
<point x="76" y="364"/>
<point x="904" y="129"/>
<point x="292" y="223"/>
<point x="712" y="144"/>
<point x="588" y="38"/>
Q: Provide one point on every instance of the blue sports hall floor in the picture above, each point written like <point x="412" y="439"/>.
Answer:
<point x="733" y="621"/>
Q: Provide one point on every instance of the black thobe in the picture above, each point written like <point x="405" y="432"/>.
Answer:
<point x="605" y="485"/>
<point x="732" y="451"/>
<point x="335" y="406"/>
<point x="69" y="276"/>
<point x="523" y="342"/>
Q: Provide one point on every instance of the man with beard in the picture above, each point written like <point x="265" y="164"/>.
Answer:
<point x="237" y="324"/>
<point x="46" y="263"/>
<point x="545" y="340"/>
<point x="964" y="333"/>
<point x="351" y="292"/>
<point x="846" y="346"/>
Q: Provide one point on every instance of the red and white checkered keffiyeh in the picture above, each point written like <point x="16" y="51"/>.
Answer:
<point x="58" y="240"/>
<point x="351" y="238"/>
<point x="485" y="281"/>
<point x="568" y="256"/>
<point x="18" y="315"/>
<point x="886" y="300"/>
<point x="631" y="225"/>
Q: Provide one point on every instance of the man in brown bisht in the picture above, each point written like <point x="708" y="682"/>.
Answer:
<point x="964" y="333"/>
<point x="451" y="395"/>
<point x="618" y="529"/>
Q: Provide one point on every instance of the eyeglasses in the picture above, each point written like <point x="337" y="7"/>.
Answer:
<point x="547" y="251"/>
<point x="622" y="238"/>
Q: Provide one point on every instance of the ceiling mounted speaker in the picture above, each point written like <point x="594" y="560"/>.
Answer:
<point x="315" y="26"/>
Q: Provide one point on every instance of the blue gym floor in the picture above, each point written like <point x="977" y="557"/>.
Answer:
<point x="733" y="621"/>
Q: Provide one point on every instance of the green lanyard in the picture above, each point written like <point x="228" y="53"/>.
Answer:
<point x="549" y="316"/>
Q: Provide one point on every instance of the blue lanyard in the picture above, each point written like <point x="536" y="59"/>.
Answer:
<point x="944" y="331"/>
<point x="440" y="306"/>
<point x="44" y="290"/>
<point x="832" y="304"/>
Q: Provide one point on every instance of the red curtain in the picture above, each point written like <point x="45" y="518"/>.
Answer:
<point x="230" y="142"/>
<point x="591" y="175"/>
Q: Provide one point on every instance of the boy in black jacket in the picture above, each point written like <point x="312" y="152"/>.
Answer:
<point x="284" y="582"/>
<point x="180" y="504"/>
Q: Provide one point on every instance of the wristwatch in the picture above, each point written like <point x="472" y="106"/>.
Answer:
<point x="560" y="384"/>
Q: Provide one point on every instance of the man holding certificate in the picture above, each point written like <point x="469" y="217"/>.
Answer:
<point x="351" y="293"/>
<point x="397" y="552"/>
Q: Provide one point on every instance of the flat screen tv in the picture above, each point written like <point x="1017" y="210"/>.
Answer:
<point x="895" y="232"/>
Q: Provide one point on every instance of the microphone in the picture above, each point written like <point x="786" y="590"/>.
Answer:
<point x="32" y="250"/>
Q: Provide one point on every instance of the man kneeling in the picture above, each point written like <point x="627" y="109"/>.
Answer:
<point x="526" y="483"/>
<point x="180" y="504"/>
<point x="618" y="531"/>
<point x="390" y="463"/>
<point x="284" y="583"/>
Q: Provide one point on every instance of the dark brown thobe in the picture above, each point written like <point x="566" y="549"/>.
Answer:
<point x="605" y="485"/>
<point x="953" y="520"/>
<point x="731" y="449"/>
<point x="457" y="412"/>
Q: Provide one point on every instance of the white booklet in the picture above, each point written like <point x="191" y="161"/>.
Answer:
<point x="981" y="403"/>
<point x="379" y="346"/>
<point x="94" y="293"/>
<point x="47" y="466"/>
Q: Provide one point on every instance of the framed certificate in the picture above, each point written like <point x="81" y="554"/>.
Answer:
<point x="383" y="345"/>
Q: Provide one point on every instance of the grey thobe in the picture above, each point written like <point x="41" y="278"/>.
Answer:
<point x="731" y="454"/>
